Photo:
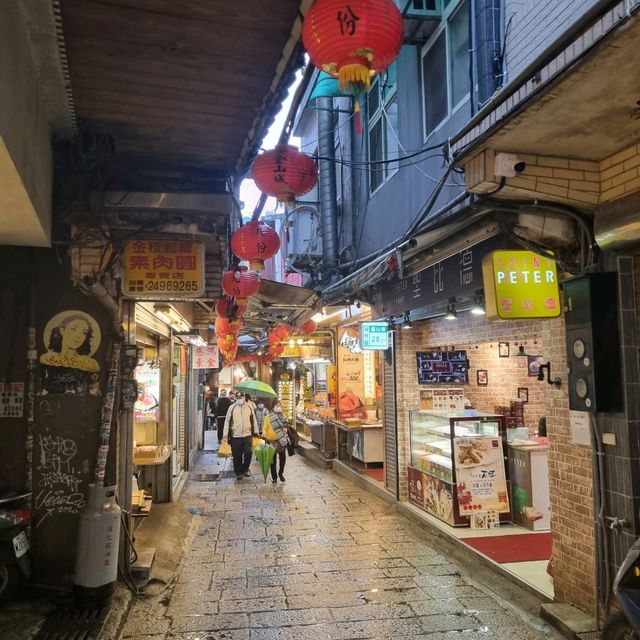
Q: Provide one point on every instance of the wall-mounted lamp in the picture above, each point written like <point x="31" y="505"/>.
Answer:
<point x="451" y="313"/>
<point x="556" y="382"/>
<point x="521" y="352"/>
<point x="406" y="322"/>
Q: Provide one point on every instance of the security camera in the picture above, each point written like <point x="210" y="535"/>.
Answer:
<point x="508" y="165"/>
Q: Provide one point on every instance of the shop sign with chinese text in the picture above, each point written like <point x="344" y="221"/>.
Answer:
<point x="163" y="269"/>
<point x="480" y="475"/>
<point x="519" y="285"/>
<point x="374" y="335"/>
<point x="457" y="275"/>
<point x="205" y="357"/>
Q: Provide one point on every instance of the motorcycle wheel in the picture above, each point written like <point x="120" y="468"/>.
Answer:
<point x="9" y="581"/>
<point x="616" y="627"/>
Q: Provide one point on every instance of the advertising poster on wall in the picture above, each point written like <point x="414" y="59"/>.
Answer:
<point x="147" y="405"/>
<point x="480" y="474"/>
<point x="351" y="391"/>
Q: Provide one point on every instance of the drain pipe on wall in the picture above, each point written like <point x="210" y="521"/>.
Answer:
<point x="327" y="188"/>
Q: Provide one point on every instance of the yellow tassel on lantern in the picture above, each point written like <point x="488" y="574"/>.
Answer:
<point x="354" y="74"/>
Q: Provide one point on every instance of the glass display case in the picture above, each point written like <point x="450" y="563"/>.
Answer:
<point x="432" y="470"/>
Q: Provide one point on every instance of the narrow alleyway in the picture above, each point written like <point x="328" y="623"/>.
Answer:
<point x="316" y="558"/>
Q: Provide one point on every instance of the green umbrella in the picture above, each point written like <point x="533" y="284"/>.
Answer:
<point x="265" y="453"/>
<point x="256" y="388"/>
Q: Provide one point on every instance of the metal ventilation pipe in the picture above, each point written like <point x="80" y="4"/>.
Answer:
<point x="327" y="186"/>
<point x="486" y="18"/>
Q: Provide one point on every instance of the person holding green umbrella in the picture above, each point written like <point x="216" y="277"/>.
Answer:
<point x="275" y="430"/>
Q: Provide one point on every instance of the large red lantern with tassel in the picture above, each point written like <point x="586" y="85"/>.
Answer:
<point x="240" y="283"/>
<point x="284" y="173"/>
<point x="283" y="331"/>
<point x="353" y="41"/>
<point x="255" y="242"/>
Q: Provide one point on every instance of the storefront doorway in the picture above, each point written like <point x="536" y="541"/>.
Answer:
<point x="471" y="416"/>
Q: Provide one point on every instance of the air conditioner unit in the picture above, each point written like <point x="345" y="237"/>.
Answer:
<point x="305" y="243"/>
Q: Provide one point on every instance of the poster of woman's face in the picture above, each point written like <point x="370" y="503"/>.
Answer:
<point x="70" y="339"/>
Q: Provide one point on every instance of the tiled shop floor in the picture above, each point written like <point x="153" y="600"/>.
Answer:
<point x="317" y="558"/>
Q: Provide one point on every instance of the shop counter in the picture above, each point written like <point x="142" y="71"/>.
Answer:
<point x="364" y="442"/>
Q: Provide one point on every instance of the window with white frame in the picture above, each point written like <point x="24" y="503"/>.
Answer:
<point x="446" y="64"/>
<point x="382" y="128"/>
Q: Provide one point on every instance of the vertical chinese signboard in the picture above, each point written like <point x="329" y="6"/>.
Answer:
<point x="163" y="269"/>
<point x="351" y="390"/>
<point x="205" y="357"/>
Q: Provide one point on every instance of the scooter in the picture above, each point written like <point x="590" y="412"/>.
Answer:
<point x="625" y="624"/>
<point x="15" y="565"/>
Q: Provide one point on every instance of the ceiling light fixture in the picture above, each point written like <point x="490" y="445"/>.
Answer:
<point x="478" y="306"/>
<point x="451" y="313"/>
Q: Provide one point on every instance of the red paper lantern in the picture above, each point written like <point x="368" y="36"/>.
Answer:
<point x="308" y="327"/>
<point x="255" y="242"/>
<point x="223" y="327"/>
<point x="283" y="331"/>
<point x="276" y="349"/>
<point x="284" y="173"/>
<point x="240" y="283"/>
<point x="353" y="41"/>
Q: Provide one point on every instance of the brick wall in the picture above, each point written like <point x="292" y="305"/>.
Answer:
<point x="569" y="464"/>
<point x="535" y="25"/>
<point x="570" y="486"/>
<point x="620" y="174"/>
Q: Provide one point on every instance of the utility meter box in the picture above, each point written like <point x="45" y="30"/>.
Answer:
<point x="305" y="243"/>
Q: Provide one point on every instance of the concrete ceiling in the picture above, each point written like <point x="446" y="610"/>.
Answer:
<point x="590" y="114"/>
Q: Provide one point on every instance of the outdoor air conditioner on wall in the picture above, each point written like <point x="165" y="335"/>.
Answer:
<point x="305" y="243"/>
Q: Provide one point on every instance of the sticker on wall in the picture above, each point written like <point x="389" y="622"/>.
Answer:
<point x="11" y="399"/>
<point x="71" y="338"/>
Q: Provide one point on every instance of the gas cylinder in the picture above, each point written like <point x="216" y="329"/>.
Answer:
<point x="96" y="570"/>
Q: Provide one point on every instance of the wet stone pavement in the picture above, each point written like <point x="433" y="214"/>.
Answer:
<point x="315" y="558"/>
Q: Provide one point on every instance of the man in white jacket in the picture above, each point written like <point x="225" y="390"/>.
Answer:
<point x="239" y="429"/>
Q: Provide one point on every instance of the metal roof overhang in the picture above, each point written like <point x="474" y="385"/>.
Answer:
<point x="278" y="302"/>
<point x="186" y="89"/>
<point x="578" y="105"/>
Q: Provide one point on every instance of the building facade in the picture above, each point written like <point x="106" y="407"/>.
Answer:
<point x="501" y="125"/>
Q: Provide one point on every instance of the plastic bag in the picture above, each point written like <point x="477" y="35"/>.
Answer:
<point x="225" y="450"/>
<point x="255" y="442"/>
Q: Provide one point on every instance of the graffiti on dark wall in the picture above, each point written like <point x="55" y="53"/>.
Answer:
<point x="71" y="338"/>
<point x="60" y="483"/>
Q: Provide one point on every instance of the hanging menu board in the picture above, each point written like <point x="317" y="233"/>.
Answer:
<point x="435" y="367"/>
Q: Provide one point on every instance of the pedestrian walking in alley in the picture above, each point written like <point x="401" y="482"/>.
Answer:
<point x="275" y="430"/>
<point x="222" y="406"/>
<point x="239" y="429"/>
<point x="261" y="413"/>
<point x="249" y="400"/>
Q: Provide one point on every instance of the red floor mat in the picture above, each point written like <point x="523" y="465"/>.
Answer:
<point x="376" y="474"/>
<point x="513" y="548"/>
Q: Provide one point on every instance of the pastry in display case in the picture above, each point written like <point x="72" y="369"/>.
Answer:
<point x="433" y="466"/>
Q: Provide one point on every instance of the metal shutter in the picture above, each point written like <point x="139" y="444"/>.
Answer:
<point x="390" y="424"/>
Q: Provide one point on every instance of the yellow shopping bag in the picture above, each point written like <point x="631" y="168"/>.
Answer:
<point x="255" y="442"/>
<point x="225" y="450"/>
<point x="267" y="430"/>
